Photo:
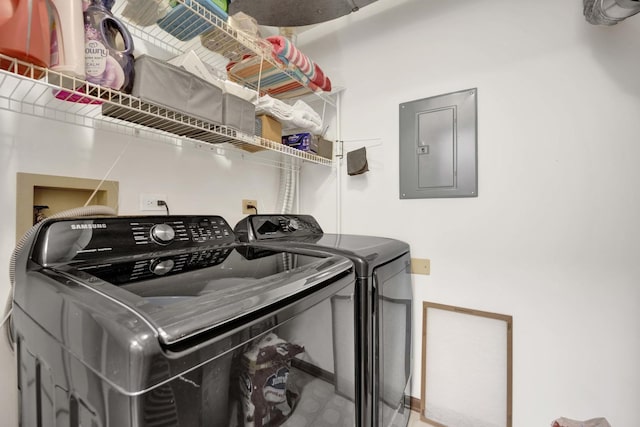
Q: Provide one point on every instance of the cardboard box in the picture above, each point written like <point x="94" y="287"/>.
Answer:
<point x="322" y="147"/>
<point x="271" y="129"/>
<point x="266" y="127"/>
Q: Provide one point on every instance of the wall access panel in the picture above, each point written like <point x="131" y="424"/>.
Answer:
<point x="438" y="146"/>
<point x="58" y="194"/>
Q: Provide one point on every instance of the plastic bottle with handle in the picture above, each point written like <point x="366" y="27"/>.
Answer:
<point x="67" y="40"/>
<point x="24" y="34"/>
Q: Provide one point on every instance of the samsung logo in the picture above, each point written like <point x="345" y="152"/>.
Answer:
<point x="87" y="226"/>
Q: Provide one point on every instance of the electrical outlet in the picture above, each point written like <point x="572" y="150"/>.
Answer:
<point x="149" y="202"/>
<point x="249" y="210"/>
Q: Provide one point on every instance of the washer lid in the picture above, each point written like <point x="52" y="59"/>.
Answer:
<point x="211" y="290"/>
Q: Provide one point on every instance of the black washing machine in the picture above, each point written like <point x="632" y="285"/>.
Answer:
<point x="383" y="308"/>
<point x="170" y="321"/>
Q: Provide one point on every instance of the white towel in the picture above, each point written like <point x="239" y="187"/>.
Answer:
<point x="298" y="115"/>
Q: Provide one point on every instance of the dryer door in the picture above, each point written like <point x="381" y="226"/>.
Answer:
<point x="392" y="327"/>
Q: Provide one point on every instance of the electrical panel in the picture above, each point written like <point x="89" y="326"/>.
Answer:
<point x="438" y="146"/>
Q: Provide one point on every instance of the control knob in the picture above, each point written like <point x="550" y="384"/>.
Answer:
<point x="163" y="233"/>
<point x="161" y="267"/>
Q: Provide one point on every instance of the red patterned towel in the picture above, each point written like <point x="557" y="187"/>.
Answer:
<point x="286" y="52"/>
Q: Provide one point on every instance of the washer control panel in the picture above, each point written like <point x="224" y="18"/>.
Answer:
<point x="65" y="240"/>
<point x="163" y="265"/>
<point x="204" y="230"/>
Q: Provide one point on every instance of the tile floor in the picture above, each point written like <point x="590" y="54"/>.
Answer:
<point x="414" y="420"/>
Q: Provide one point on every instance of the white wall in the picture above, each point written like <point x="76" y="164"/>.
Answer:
<point x="553" y="238"/>
<point x="196" y="181"/>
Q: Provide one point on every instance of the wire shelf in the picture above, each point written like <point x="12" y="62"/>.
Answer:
<point x="224" y="40"/>
<point x="216" y="43"/>
<point x="28" y="89"/>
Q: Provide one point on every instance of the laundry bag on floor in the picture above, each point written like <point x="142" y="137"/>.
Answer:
<point x="266" y="397"/>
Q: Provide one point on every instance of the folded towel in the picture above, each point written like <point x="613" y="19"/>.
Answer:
<point x="252" y="71"/>
<point x="286" y="52"/>
<point x="299" y="115"/>
<point x="357" y="161"/>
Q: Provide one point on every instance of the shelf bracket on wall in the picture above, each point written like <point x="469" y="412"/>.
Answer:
<point x="339" y="149"/>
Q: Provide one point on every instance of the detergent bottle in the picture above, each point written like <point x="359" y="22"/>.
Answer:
<point x="24" y="33"/>
<point x="67" y="38"/>
<point x="108" y="49"/>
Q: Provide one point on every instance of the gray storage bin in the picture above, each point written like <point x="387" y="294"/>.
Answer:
<point x="161" y="83"/>
<point x="239" y="114"/>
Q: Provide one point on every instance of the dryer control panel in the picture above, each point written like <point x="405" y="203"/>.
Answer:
<point x="83" y="239"/>
<point x="266" y="227"/>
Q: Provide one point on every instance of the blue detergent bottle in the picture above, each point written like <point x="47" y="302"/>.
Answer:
<point x="109" y="58"/>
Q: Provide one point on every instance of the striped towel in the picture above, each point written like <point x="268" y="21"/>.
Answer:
<point x="286" y="52"/>
<point x="271" y="80"/>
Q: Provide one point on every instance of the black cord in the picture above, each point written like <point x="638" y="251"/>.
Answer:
<point x="163" y="203"/>
<point x="253" y="207"/>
